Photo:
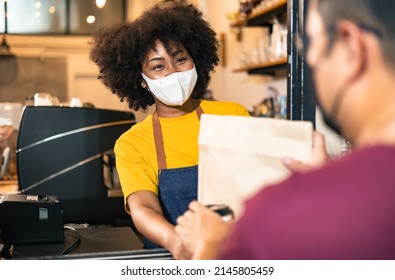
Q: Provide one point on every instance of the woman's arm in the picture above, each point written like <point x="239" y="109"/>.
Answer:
<point x="148" y="218"/>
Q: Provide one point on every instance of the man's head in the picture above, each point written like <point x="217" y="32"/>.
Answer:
<point x="349" y="41"/>
<point x="376" y="16"/>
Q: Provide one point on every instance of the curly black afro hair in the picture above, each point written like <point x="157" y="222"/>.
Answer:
<point x="120" y="50"/>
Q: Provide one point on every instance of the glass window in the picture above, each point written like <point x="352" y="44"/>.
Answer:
<point x="36" y="16"/>
<point x="2" y="17"/>
<point x="87" y="16"/>
<point x="77" y="17"/>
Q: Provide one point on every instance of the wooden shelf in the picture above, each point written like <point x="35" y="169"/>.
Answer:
<point x="264" y="68"/>
<point x="301" y="103"/>
<point x="263" y="17"/>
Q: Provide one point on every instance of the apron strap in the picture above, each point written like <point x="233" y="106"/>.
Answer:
<point x="158" y="137"/>
<point x="199" y="111"/>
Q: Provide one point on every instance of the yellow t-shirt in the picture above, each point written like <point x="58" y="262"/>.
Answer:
<point x="135" y="151"/>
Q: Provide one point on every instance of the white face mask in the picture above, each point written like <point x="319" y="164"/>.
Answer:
<point x="175" y="89"/>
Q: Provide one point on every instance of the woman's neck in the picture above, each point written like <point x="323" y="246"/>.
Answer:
<point x="165" y="111"/>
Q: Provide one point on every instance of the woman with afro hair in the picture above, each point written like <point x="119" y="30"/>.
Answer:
<point x="163" y="58"/>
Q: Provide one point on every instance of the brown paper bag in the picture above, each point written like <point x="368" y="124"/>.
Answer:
<point x="240" y="155"/>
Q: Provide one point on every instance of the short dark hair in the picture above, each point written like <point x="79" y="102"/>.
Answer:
<point x="119" y="50"/>
<point x="374" y="15"/>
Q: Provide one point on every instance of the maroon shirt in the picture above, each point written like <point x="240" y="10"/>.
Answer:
<point x="345" y="210"/>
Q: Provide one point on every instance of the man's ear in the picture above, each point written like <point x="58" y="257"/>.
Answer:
<point x="354" y="46"/>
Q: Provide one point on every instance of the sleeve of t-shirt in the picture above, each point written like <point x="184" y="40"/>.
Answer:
<point x="133" y="172"/>
<point x="241" y="110"/>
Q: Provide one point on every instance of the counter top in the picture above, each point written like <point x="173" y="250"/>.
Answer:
<point x="8" y="186"/>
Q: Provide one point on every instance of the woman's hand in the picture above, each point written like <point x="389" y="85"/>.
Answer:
<point x="202" y="231"/>
<point x="318" y="158"/>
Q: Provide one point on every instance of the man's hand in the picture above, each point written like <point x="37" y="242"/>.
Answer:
<point x="202" y="231"/>
<point x="318" y="158"/>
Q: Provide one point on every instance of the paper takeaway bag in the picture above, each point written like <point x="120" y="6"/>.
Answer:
<point x="240" y="155"/>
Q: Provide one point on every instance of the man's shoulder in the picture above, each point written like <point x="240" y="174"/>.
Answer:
<point x="336" y="177"/>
